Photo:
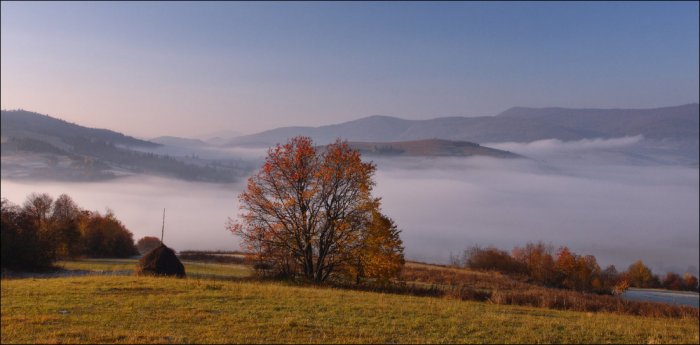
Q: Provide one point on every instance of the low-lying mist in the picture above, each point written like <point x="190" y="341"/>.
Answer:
<point x="579" y="194"/>
<point x="617" y="213"/>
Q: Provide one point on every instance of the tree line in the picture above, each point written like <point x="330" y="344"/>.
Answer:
<point x="563" y="268"/>
<point x="43" y="230"/>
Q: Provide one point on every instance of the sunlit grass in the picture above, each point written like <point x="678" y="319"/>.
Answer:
<point x="130" y="309"/>
<point x="194" y="269"/>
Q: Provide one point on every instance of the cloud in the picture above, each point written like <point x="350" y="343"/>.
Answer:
<point x="550" y="146"/>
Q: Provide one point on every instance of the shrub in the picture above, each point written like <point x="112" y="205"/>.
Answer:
<point x="492" y="259"/>
<point x="146" y="244"/>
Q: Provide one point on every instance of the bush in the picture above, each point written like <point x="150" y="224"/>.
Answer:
<point x="492" y="259"/>
<point x="146" y="244"/>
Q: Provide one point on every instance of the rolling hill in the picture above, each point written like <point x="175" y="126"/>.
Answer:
<point x="429" y="148"/>
<point x="40" y="146"/>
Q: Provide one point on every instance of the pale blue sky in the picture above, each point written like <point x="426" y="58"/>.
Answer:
<point x="186" y="69"/>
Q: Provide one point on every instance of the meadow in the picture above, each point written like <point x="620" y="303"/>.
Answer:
<point x="218" y="304"/>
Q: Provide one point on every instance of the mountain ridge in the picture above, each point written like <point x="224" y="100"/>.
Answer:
<point x="518" y="124"/>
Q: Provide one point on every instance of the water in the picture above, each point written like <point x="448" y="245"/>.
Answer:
<point x="664" y="296"/>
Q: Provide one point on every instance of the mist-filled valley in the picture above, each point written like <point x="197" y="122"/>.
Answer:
<point x="350" y="172"/>
<point x="579" y="193"/>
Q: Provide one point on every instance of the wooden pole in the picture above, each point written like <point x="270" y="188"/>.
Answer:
<point x="162" y="230"/>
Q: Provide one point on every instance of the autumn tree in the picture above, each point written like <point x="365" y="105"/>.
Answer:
<point x="23" y="246"/>
<point x="64" y="219"/>
<point x="106" y="236"/>
<point x="306" y="211"/>
<point x="610" y="277"/>
<point x="147" y="243"/>
<point x="567" y="265"/>
<point x="639" y="275"/>
<point x="380" y="255"/>
<point x="540" y="264"/>
<point x="38" y="208"/>
<point x="672" y="281"/>
<point x="690" y="282"/>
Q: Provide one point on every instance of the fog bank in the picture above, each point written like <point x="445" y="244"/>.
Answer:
<point x="617" y="212"/>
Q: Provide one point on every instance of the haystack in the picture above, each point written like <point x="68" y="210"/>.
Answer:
<point x="161" y="261"/>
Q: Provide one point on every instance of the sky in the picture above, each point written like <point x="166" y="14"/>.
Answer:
<point x="191" y="69"/>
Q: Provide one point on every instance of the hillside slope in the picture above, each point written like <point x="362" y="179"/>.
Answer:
<point x="157" y="310"/>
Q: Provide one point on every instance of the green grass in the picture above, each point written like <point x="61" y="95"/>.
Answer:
<point x="194" y="269"/>
<point x="129" y="309"/>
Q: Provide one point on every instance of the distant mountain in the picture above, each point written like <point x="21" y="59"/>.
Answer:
<point x="516" y="124"/>
<point x="219" y="137"/>
<point x="429" y="148"/>
<point x="177" y="141"/>
<point x="40" y="146"/>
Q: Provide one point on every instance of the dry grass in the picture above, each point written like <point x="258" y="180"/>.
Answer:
<point x="108" y="309"/>
<point x="497" y="288"/>
<point x="218" y="257"/>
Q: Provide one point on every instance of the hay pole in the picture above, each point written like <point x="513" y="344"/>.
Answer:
<point x="162" y="229"/>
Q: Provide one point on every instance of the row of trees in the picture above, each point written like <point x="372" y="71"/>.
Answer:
<point x="309" y="212"/>
<point x="639" y="275"/>
<point x="568" y="270"/>
<point x="43" y="230"/>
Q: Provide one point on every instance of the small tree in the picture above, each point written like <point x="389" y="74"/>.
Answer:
<point x="539" y="261"/>
<point x="639" y="275"/>
<point x="147" y="243"/>
<point x="65" y="226"/>
<point x="690" y="282"/>
<point x="609" y="277"/>
<point x="567" y="265"/>
<point x="380" y="255"/>
<point x="672" y="281"/>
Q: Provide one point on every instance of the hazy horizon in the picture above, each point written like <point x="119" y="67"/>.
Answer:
<point x="189" y="69"/>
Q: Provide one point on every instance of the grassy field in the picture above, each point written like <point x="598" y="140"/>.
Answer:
<point x="193" y="269"/>
<point x="131" y="309"/>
